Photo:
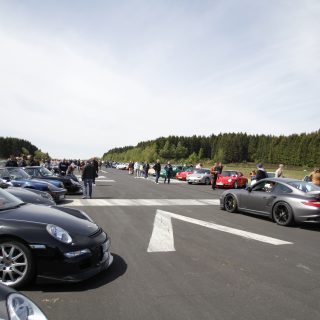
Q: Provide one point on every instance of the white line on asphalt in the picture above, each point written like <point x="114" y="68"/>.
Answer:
<point x="100" y="177"/>
<point x="142" y="202"/>
<point x="104" y="180"/>
<point x="162" y="234"/>
<point x="162" y="231"/>
<point x="104" y="171"/>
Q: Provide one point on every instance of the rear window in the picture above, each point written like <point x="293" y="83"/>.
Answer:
<point x="304" y="186"/>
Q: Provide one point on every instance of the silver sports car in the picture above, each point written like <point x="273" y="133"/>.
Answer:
<point x="199" y="176"/>
<point x="283" y="200"/>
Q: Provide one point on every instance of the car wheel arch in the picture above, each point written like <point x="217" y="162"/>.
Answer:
<point x="287" y="204"/>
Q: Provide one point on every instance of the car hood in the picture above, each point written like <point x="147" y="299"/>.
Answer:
<point x="46" y="215"/>
<point x="196" y="175"/>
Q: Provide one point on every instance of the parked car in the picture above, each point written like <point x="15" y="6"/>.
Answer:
<point x="51" y="243"/>
<point x="175" y="170"/>
<point x="70" y="182"/>
<point x="32" y="196"/>
<point x="200" y="176"/>
<point x="17" y="177"/>
<point x="122" y="166"/>
<point x="283" y="200"/>
<point x="16" y="306"/>
<point x="182" y="175"/>
<point x="231" y="179"/>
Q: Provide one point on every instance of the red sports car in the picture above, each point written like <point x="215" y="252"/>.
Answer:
<point x="231" y="179"/>
<point x="183" y="174"/>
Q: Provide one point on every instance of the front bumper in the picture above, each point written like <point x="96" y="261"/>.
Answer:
<point x="58" y="195"/>
<point x="53" y="265"/>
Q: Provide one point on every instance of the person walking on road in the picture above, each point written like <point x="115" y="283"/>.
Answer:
<point x="157" y="169"/>
<point x="88" y="176"/>
<point x="169" y="171"/>
<point x="96" y="169"/>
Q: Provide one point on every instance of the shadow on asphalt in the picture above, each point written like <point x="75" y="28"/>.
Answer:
<point x="116" y="270"/>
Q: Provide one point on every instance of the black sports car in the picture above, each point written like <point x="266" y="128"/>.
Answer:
<point x="32" y="196"/>
<point x="284" y="200"/>
<point x="53" y="243"/>
<point x="70" y="182"/>
<point x="14" y="305"/>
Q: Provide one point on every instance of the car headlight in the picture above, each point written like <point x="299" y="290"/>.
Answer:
<point x="46" y="195"/>
<point x="22" y="308"/>
<point x="229" y="180"/>
<point x="59" y="233"/>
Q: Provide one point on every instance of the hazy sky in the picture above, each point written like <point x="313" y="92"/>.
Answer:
<point x="80" y="77"/>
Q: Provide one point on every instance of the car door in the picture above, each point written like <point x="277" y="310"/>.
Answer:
<point x="260" y="198"/>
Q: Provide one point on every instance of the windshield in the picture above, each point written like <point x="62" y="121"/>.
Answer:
<point x="17" y="173"/>
<point x="304" y="186"/>
<point x="201" y="171"/>
<point x="229" y="173"/>
<point x="8" y="201"/>
<point x="45" y="172"/>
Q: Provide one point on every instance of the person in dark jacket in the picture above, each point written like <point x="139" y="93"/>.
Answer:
<point x="146" y="168"/>
<point x="88" y="176"/>
<point x="96" y="168"/>
<point x="157" y="169"/>
<point x="12" y="162"/>
<point x="168" y="168"/>
<point x="261" y="172"/>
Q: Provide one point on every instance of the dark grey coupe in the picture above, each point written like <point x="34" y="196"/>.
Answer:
<point x="285" y="201"/>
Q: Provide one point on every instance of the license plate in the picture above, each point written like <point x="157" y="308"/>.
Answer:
<point x="220" y="183"/>
<point x="61" y="197"/>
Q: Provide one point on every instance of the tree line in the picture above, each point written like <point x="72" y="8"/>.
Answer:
<point x="296" y="149"/>
<point x="18" y="147"/>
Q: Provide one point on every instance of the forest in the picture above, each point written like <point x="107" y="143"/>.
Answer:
<point x="295" y="149"/>
<point x="15" y="146"/>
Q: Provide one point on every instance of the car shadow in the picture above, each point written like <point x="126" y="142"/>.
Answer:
<point x="116" y="270"/>
<point x="309" y="227"/>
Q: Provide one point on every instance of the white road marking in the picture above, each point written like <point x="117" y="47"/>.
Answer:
<point x="142" y="202"/>
<point x="162" y="234"/>
<point x="162" y="231"/>
<point x="104" y="180"/>
<point x="104" y="171"/>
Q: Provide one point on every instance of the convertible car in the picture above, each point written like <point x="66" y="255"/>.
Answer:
<point x="182" y="175"/>
<point x="283" y="200"/>
<point x="231" y="179"/>
<point x="52" y="243"/>
<point x="19" y="178"/>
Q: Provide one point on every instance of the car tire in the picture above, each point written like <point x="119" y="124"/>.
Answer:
<point x="17" y="265"/>
<point x="207" y="181"/>
<point x="282" y="214"/>
<point x="230" y="203"/>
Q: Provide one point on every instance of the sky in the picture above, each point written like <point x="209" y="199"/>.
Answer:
<point x="78" y="78"/>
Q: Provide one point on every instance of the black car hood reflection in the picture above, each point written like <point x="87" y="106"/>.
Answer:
<point x="45" y="215"/>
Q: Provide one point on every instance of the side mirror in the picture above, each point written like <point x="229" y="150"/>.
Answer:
<point x="249" y="189"/>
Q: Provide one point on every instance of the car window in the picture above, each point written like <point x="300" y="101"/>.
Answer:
<point x="265" y="186"/>
<point x="304" y="186"/>
<point x="280" y="189"/>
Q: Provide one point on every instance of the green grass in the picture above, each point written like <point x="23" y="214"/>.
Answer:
<point x="246" y="168"/>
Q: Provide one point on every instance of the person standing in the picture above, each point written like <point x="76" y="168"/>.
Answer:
<point x="279" y="172"/>
<point x="169" y="171"/>
<point x="261" y="172"/>
<point x="88" y="176"/>
<point x="214" y="173"/>
<point x="96" y="168"/>
<point x="146" y="168"/>
<point x="157" y="169"/>
<point x="12" y="162"/>
<point x="315" y="177"/>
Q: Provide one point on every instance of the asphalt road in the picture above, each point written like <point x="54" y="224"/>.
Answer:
<point x="211" y="274"/>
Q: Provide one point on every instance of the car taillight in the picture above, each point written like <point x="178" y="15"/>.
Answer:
<point x="314" y="203"/>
